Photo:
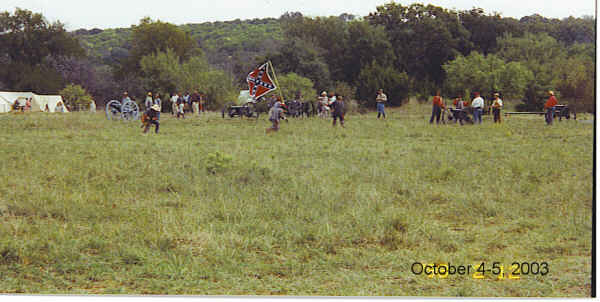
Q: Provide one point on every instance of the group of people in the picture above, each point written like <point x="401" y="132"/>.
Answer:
<point x="194" y="101"/>
<point x="153" y="106"/>
<point x="22" y="104"/>
<point x="477" y="106"/>
<point x="328" y="104"/>
<point x="331" y="104"/>
<point x="460" y="107"/>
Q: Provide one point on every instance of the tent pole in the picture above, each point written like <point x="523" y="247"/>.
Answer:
<point x="276" y="81"/>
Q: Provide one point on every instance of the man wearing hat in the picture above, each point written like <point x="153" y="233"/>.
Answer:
<point x="381" y="99"/>
<point x="275" y="114"/>
<point x="148" y="102"/>
<point x="196" y="102"/>
<point x="549" y="107"/>
<point x="477" y="106"/>
<point x="151" y="118"/>
<point x="496" y="107"/>
<point x="125" y="98"/>
<point x="157" y="101"/>
<point x="323" y="104"/>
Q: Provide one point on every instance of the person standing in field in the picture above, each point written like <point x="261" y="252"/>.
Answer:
<point x="331" y="99"/>
<point x="477" y="106"/>
<point x="148" y="102"/>
<point x="92" y="106"/>
<point x="151" y="118"/>
<point x="196" y="103"/>
<point x="381" y="100"/>
<point x="275" y="113"/>
<point x="181" y="108"/>
<point x="125" y="98"/>
<point x="323" y="106"/>
<point x="187" y="99"/>
<point x="438" y="105"/>
<point x="549" y="107"/>
<point x="157" y="101"/>
<point x="338" y="110"/>
<point x="174" y="103"/>
<point x="202" y="102"/>
<point x="496" y="107"/>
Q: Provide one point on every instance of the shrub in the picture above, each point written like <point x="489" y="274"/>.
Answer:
<point x="76" y="97"/>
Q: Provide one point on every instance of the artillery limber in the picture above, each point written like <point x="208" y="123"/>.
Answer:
<point x="560" y="111"/>
<point x="128" y="110"/>
<point x="244" y="107"/>
<point x="247" y="110"/>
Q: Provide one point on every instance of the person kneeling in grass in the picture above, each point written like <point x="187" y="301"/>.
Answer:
<point x="150" y="117"/>
<point x="338" y="110"/>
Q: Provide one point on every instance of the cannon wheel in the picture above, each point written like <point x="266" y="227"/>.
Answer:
<point x="130" y="111"/>
<point x="226" y="109"/>
<point x="251" y="110"/>
<point x="113" y="110"/>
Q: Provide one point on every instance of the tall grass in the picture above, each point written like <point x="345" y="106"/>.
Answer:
<point x="213" y="206"/>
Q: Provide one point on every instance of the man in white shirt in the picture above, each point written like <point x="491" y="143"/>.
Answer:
<point x="125" y="98"/>
<point x="477" y="106"/>
<point x="381" y="99"/>
<point x="323" y="106"/>
<point x="174" y="98"/>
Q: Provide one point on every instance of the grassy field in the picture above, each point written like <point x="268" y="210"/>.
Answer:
<point x="216" y="207"/>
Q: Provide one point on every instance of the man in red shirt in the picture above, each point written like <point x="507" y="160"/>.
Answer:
<point x="438" y="104"/>
<point x="549" y="107"/>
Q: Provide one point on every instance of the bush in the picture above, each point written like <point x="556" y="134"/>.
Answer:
<point x="76" y="97"/>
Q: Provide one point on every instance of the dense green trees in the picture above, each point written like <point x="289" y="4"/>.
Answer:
<point x="423" y="38"/>
<point x="293" y="85"/>
<point x="155" y="36"/>
<point x="163" y="72"/>
<point x="27" y="42"/>
<point x="487" y="75"/>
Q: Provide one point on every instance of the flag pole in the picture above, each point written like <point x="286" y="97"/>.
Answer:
<point x="276" y="82"/>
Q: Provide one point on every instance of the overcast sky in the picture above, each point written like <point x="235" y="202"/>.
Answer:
<point x="122" y="13"/>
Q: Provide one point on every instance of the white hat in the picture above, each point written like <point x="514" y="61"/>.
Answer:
<point x="155" y="107"/>
<point x="324" y="93"/>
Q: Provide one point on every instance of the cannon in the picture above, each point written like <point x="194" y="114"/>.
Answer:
<point x="127" y="111"/>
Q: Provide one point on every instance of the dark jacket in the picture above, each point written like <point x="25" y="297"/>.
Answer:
<point x="195" y="97"/>
<point x="338" y="108"/>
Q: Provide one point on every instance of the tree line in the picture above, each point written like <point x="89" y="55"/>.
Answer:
<point x="408" y="50"/>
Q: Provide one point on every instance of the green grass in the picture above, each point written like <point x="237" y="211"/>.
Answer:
<point x="216" y="207"/>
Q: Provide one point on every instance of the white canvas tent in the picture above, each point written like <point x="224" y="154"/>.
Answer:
<point x="4" y="106"/>
<point x="7" y="97"/>
<point x="38" y="102"/>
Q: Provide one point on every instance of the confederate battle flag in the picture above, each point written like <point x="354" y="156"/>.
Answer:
<point x="260" y="82"/>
